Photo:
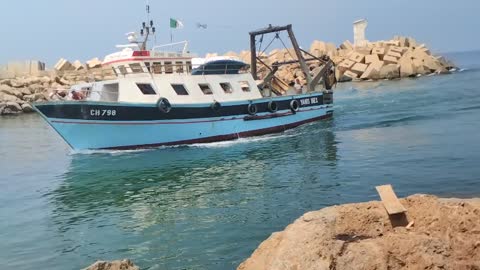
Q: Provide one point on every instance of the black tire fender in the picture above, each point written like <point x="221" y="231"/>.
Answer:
<point x="272" y="106"/>
<point x="252" y="109"/>
<point x="164" y="105"/>
<point x="216" y="106"/>
<point x="294" y="105"/>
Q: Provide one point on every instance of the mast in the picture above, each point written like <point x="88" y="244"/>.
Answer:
<point x="147" y="28"/>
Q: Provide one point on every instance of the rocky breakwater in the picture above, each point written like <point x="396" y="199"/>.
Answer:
<point x="17" y="94"/>
<point x="445" y="235"/>
<point x="114" y="265"/>
<point x="400" y="57"/>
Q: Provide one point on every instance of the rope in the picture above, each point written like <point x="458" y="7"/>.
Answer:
<point x="285" y="46"/>
<point x="269" y="44"/>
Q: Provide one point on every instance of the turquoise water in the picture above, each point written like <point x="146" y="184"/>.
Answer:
<point x="209" y="206"/>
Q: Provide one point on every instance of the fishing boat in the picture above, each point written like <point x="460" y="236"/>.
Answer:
<point x="159" y="98"/>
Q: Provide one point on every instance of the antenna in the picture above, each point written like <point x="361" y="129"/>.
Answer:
<point x="146" y="30"/>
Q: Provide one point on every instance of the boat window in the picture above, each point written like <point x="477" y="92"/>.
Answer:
<point x="146" y="88"/>
<point x="189" y="66"/>
<point x="147" y="64"/>
<point x="245" y="86"/>
<point x="168" y="67"/>
<point x="180" y="89"/>
<point x="227" y="87"/>
<point x="205" y="87"/>
<point x="136" y="68"/>
<point x="157" y="67"/>
<point x="115" y="71"/>
<point x="179" y="66"/>
<point x="123" y="70"/>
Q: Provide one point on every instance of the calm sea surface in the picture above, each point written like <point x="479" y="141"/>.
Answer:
<point x="209" y="206"/>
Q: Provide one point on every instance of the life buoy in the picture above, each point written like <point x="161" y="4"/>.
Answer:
<point x="294" y="105"/>
<point x="216" y="106"/>
<point x="272" y="106"/>
<point x="252" y="109"/>
<point x="164" y="105"/>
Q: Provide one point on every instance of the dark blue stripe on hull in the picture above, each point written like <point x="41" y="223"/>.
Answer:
<point x="116" y="112"/>
<point x="229" y="137"/>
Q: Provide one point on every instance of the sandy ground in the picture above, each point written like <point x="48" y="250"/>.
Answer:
<point x="445" y="235"/>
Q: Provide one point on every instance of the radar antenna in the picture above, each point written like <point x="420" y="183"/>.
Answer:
<point x="147" y="29"/>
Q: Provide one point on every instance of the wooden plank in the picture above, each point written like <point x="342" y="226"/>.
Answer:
<point x="390" y="200"/>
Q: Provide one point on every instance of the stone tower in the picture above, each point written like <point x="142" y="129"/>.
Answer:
<point x="359" y="28"/>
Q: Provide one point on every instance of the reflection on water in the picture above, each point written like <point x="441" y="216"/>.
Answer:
<point x="183" y="194"/>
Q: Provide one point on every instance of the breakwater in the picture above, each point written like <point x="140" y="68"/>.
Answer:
<point x="400" y="57"/>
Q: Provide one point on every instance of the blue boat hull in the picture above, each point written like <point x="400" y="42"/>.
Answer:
<point x="90" y="125"/>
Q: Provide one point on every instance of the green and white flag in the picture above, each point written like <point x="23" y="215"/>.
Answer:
<point x="175" y="24"/>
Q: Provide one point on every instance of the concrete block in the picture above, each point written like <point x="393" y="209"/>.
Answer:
<point x="393" y="43"/>
<point x="331" y="47"/>
<point x="403" y="41"/>
<point x="394" y="54"/>
<point x="419" y="54"/>
<point x="389" y="71"/>
<point x="338" y="59"/>
<point x="373" y="70"/>
<point x="371" y="58"/>
<point x="370" y="73"/>
<point x="396" y="49"/>
<point x="348" y="76"/>
<point x="77" y="65"/>
<point x="94" y="63"/>
<point x="359" y="68"/>
<point x="63" y="65"/>
<point x="412" y="43"/>
<point x="346" y="45"/>
<point x="346" y="64"/>
<point x="445" y="62"/>
<point x="342" y="52"/>
<point x="318" y="48"/>
<point x="431" y="63"/>
<point x="379" y="51"/>
<point x="363" y="50"/>
<point x="357" y="57"/>
<point x="406" y="67"/>
<point x="390" y="59"/>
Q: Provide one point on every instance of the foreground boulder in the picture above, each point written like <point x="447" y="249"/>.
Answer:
<point x="10" y="107"/>
<point x="114" y="265"/>
<point x="445" y="235"/>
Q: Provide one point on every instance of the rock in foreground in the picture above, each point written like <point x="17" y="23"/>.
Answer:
<point x="114" y="265"/>
<point x="445" y="235"/>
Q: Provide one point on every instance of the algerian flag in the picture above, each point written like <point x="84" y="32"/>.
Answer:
<point x="175" y="24"/>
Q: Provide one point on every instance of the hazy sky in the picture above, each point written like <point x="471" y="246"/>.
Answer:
<point x="50" y="29"/>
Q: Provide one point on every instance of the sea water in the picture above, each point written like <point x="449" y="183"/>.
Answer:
<point x="208" y="206"/>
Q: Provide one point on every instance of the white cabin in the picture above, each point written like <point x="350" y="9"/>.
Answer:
<point x="143" y="76"/>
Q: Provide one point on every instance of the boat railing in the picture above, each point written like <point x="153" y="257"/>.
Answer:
<point x="184" y="68"/>
<point x="220" y="69"/>
<point x="171" y="45"/>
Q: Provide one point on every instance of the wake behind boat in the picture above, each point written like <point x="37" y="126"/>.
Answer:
<point x="162" y="97"/>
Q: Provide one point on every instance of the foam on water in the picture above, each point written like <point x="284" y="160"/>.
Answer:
<point x="219" y="144"/>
